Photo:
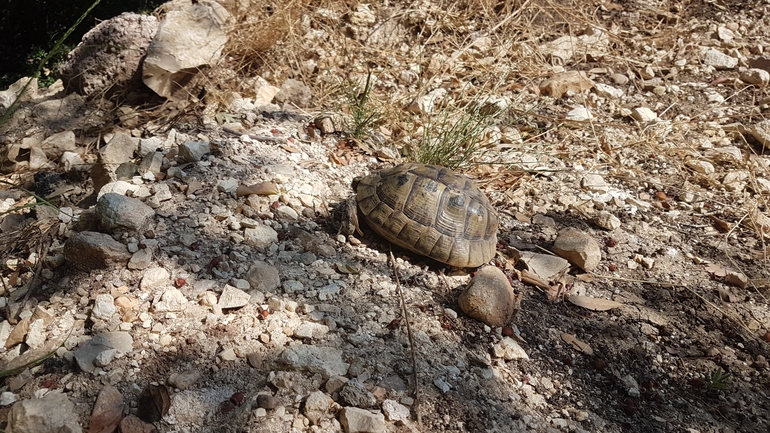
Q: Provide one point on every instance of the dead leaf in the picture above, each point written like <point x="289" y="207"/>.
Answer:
<point x="153" y="403"/>
<point x="261" y="188"/>
<point x="727" y="296"/>
<point x="289" y="148"/>
<point x="524" y="218"/>
<point x="721" y="225"/>
<point x="715" y="269"/>
<point x="586" y="278"/>
<point x="577" y="344"/>
<point x="595" y="304"/>
<point x="347" y="269"/>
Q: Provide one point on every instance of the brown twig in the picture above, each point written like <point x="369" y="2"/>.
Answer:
<point x="409" y="335"/>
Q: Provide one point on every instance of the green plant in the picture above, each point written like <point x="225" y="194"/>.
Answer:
<point x="718" y="379"/>
<point x="452" y="139"/>
<point x="364" y="113"/>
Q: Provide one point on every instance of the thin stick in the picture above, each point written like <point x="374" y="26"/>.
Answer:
<point x="408" y="333"/>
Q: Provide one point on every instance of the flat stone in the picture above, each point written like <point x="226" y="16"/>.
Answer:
<point x="264" y="277"/>
<point x="355" y="420"/>
<point x="189" y="37"/>
<point x="311" y="330"/>
<point x="194" y="151"/>
<point x="579" y="113"/>
<point x="36" y="335"/>
<point x="228" y="354"/>
<point x="86" y="355"/>
<point x="607" y="91"/>
<point x="545" y="266"/>
<point x="489" y="297"/>
<point x="233" y="298"/>
<point x="104" y="307"/>
<point x="579" y="248"/>
<point x="18" y="332"/>
<point x="117" y="211"/>
<point x="54" y="412"/>
<point x="140" y="259"/>
<point x="91" y="250"/>
<point x="326" y="361"/>
<point x="719" y="60"/>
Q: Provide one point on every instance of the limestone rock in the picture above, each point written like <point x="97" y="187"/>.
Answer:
<point x="643" y="114"/>
<point x="184" y="380"/>
<point x="395" y="411"/>
<point x="154" y="278"/>
<point x="187" y="38"/>
<point x="607" y="221"/>
<point x="261" y="236"/>
<point x="318" y="406"/>
<point x="719" y="60"/>
<point x="264" y="277"/>
<point x="566" y="83"/>
<point x="489" y="297"/>
<point x="171" y="300"/>
<point x="55" y="145"/>
<point x="353" y="393"/>
<point x="355" y="420"/>
<point x="294" y="92"/>
<point x="326" y="361"/>
<point x="755" y="76"/>
<point x="193" y="151"/>
<point x="108" y="56"/>
<point x="92" y="250"/>
<point x="761" y="132"/>
<point x="578" y="247"/>
<point x="104" y="306"/>
<point x="54" y="413"/>
<point x="118" y="212"/>
<point x="118" y="343"/>
<point x="233" y="298"/>
<point x="509" y="349"/>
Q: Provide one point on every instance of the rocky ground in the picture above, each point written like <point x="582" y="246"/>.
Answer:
<point x="196" y="272"/>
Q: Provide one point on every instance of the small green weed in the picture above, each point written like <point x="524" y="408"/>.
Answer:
<point x="364" y="112"/>
<point x="718" y="380"/>
<point x="452" y="139"/>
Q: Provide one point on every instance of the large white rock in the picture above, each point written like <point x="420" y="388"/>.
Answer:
<point x="187" y="39"/>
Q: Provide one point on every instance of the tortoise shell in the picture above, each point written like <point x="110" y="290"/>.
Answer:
<point x="430" y="210"/>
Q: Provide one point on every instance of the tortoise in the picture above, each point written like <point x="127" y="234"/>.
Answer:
<point x="432" y="211"/>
